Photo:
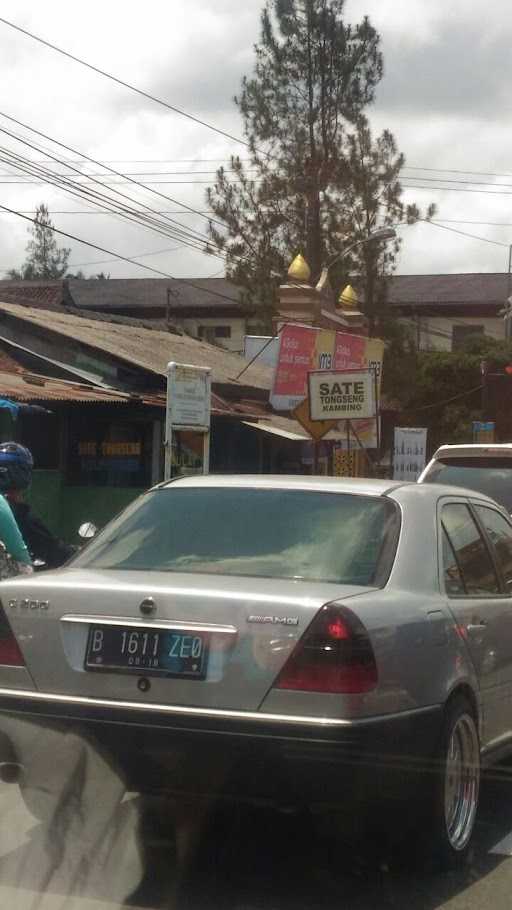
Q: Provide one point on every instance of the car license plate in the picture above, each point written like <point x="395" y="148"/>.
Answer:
<point x="165" y="652"/>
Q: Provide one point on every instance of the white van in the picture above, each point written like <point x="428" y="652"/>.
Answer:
<point x="486" y="468"/>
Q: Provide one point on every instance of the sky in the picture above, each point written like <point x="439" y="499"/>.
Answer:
<point x="445" y="95"/>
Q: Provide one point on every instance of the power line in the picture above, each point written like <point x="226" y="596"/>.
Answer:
<point x="79" y="265"/>
<point x="127" y="85"/>
<point x="119" y="256"/>
<point x="456" y="180"/>
<point x="124" y="182"/>
<point x="454" y="189"/>
<point x="119" y="209"/>
<point x="151" y="160"/>
<point x="87" y="176"/>
<point x="74" y="151"/>
<point x="184" y="236"/>
<point x="106" y="212"/>
<point x="448" y="170"/>
<point x="438" y="404"/>
<point x="482" y="223"/>
<point x="444" y="227"/>
<point x="82" y="191"/>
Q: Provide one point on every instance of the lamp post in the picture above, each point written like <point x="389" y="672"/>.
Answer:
<point x="385" y="233"/>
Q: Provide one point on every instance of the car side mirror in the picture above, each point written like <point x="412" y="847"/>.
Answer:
<point x="88" y="530"/>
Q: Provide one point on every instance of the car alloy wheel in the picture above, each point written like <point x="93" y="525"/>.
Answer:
<point x="461" y="781"/>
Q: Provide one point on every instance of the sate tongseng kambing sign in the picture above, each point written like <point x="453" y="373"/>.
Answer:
<point x="342" y="394"/>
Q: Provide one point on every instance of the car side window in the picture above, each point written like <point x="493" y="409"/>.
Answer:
<point x="499" y="532"/>
<point x="471" y="553"/>
<point x="452" y="578"/>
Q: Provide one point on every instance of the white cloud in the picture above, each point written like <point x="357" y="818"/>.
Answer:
<point x="444" y="95"/>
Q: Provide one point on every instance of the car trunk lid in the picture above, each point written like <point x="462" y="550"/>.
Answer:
<point x="248" y="627"/>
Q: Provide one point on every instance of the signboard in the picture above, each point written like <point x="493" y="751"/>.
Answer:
<point x="315" y="428"/>
<point x="262" y="347"/>
<point x="188" y="408"/>
<point x="303" y="349"/>
<point x="342" y="395"/>
<point x="483" y="431"/>
<point x="409" y="453"/>
<point x="188" y="395"/>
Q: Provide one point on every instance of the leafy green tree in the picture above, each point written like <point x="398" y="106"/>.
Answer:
<point x="442" y="390"/>
<point x="45" y="259"/>
<point x="316" y="179"/>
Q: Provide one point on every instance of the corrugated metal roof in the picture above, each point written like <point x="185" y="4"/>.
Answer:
<point x="49" y="295"/>
<point x="150" y="349"/>
<point x="23" y="386"/>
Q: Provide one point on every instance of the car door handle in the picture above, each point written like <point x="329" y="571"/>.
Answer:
<point x="476" y="627"/>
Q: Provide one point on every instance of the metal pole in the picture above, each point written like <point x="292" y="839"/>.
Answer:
<point x="315" y="457"/>
<point x="171" y="367"/>
<point x="508" y="305"/>
<point x="483" y="372"/>
<point x="361" y="446"/>
<point x="377" y="409"/>
<point x="206" y="436"/>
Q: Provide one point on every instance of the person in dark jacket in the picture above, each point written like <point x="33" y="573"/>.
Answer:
<point x="16" y="466"/>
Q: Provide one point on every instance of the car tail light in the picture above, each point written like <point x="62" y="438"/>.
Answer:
<point x="10" y="654"/>
<point x="334" y="655"/>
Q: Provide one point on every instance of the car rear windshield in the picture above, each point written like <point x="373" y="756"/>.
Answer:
<point x="330" y="537"/>
<point x="492" y="476"/>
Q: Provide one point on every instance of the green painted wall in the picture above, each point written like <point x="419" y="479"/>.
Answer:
<point x="96" y="504"/>
<point x="64" y="508"/>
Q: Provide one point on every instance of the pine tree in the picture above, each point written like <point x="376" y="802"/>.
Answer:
<point x="304" y="185"/>
<point x="45" y="259"/>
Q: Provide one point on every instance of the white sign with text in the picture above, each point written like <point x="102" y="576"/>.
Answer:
<point x="409" y="452"/>
<point x="342" y="394"/>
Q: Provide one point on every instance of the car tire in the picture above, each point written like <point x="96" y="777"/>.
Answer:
<point x="456" y="785"/>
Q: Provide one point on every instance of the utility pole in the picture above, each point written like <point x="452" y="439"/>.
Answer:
<point x="506" y="312"/>
<point x="508" y="305"/>
<point x="485" y="391"/>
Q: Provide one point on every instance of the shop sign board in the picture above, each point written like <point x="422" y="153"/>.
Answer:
<point x="342" y="395"/>
<point x="188" y="407"/>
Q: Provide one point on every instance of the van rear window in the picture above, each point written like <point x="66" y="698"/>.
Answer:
<point x="492" y="476"/>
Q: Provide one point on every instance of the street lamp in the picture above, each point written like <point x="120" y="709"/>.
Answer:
<point x="384" y="233"/>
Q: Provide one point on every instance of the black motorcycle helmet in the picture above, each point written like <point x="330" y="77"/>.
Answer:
<point x="16" y="465"/>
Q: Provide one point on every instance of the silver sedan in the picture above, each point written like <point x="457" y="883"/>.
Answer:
<point x="331" y="643"/>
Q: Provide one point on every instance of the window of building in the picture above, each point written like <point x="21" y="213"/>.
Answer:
<point x="211" y="332"/>
<point x="461" y="333"/>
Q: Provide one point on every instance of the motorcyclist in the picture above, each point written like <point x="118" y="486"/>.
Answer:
<point x="16" y="465"/>
<point x="15" y="558"/>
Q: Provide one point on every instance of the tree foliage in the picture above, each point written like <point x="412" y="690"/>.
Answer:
<point x="317" y="180"/>
<point x="442" y="390"/>
<point x="45" y="259"/>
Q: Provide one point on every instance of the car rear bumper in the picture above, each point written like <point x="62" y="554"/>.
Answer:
<point x="268" y="757"/>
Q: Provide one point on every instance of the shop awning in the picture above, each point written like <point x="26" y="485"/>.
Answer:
<point x="296" y="436"/>
<point x="287" y="428"/>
